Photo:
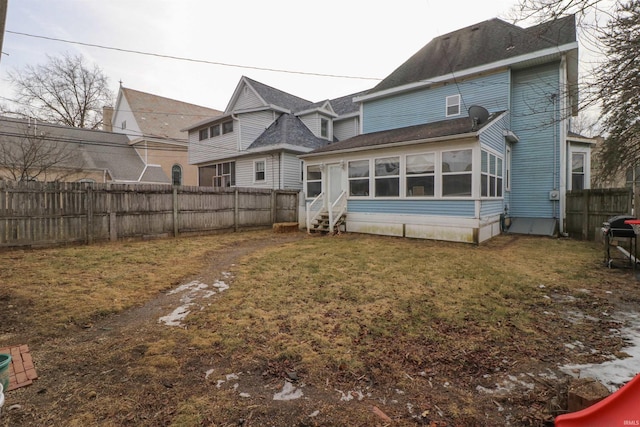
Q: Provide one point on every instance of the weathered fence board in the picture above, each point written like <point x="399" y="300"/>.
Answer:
<point x="33" y="213"/>
<point x="588" y="209"/>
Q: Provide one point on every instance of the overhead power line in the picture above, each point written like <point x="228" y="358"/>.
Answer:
<point x="200" y="61"/>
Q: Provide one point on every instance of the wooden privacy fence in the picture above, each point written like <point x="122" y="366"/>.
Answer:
<point x="588" y="209"/>
<point x="35" y="213"/>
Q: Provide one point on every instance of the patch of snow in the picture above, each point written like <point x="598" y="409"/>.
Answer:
<point x="314" y="414"/>
<point x="350" y="395"/>
<point x="398" y="391"/>
<point x="209" y="372"/>
<point x="288" y="392"/>
<point x="232" y="377"/>
<point x="177" y="316"/>
<point x="507" y="385"/>
<point x="220" y="285"/>
<point x="245" y="395"/>
<point x="616" y="372"/>
<point x="219" y="383"/>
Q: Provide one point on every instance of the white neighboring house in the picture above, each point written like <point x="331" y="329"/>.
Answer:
<point x="257" y="140"/>
<point x="154" y="126"/>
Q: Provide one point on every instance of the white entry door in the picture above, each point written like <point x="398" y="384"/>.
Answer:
<point x="334" y="184"/>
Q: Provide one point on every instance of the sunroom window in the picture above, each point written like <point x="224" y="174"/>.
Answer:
<point x="387" y="177"/>
<point x="456" y="173"/>
<point x="420" y="175"/>
<point x="359" y="178"/>
<point x="490" y="175"/>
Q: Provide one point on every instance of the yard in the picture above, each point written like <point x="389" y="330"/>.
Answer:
<point x="294" y="330"/>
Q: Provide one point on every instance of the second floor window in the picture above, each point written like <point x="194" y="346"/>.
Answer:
<point x="203" y="134"/>
<point x="259" y="167"/>
<point x="227" y="127"/>
<point x="215" y="130"/>
<point x="453" y="105"/>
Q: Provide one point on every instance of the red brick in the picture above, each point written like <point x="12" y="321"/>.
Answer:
<point x="31" y="374"/>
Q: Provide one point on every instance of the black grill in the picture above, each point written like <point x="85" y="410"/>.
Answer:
<point x="615" y="227"/>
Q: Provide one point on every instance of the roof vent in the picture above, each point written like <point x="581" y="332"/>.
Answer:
<point x="478" y="115"/>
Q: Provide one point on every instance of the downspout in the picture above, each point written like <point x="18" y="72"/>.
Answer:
<point x="235" y="119"/>
<point x="555" y="123"/>
<point x="563" y="142"/>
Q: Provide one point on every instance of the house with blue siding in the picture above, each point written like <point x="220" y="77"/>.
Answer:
<point x="467" y="139"/>
<point x="257" y="140"/>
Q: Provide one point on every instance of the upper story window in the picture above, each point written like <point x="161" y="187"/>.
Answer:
<point x="259" y="170"/>
<point x="203" y="134"/>
<point x="456" y="173"/>
<point x="123" y="125"/>
<point x="324" y="128"/>
<point x="453" y="105"/>
<point x="215" y="130"/>
<point x="227" y="127"/>
<point x="420" y="170"/>
<point x="176" y="175"/>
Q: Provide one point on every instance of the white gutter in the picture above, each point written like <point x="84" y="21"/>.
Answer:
<point x="470" y="71"/>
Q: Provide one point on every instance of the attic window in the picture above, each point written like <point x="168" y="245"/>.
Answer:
<point x="324" y="128"/>
<point x="123" y="125"/>
<point x="453" y="105"/>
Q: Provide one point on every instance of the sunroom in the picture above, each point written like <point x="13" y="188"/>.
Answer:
<point x="443" y="181"/>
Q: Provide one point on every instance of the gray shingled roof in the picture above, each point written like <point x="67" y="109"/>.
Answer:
<point x="277" y="97"/>
<point x="345" y="105"/>
<point x="288" y="129"/>
<point x="460" y="126"/>
<point x="163" y="117"/>
<point x="479" y="44"/>
<point x="98" y="150"/>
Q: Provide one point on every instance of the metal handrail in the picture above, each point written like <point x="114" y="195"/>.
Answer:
<point x="337" y="209"/>
<point x="310" y="209"/>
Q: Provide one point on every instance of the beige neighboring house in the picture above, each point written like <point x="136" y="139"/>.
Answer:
<point x="154" y="126"/>
<point x="31" y="150"/>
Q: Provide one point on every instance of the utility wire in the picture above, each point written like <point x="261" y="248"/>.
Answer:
<point x="200" y="61"/>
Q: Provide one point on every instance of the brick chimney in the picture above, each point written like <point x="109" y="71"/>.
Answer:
<point x="107" y="118"/>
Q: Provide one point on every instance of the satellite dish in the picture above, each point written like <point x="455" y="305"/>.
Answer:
<point x="478" y="114"/>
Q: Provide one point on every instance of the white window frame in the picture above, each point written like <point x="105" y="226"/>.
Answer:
<point x="313" y="181"/>
<point x="586" y="176"/>
<point x="360" y="178"/>
<point x="377" y="178"/>
<point x="256" y="171"/>
<point x="452" y="101"/>
<point x="327" y="130"/>
<point x="444" y="174"/>
<point x="507" y="169"/>
<point x="434" y="174"/>
<point x="497" y="174"/>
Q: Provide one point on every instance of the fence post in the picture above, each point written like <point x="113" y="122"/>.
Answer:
<point x="175" y="211"/>
<point x="89" y="196"/>
<point x="274" y="206"/>
<point x="236" y="210"/>
<point x="585" y="214"/>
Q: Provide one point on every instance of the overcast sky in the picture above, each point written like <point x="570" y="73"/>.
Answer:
<point x="357" y="38"/>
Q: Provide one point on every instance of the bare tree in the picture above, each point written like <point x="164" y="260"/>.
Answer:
<point x="610" y="31"/>
<point x="64" y="91"/>
<point x="32" y="155"/>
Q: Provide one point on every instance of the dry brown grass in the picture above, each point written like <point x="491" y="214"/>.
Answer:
<point x="343" y="312"/>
